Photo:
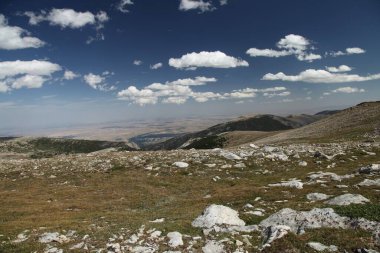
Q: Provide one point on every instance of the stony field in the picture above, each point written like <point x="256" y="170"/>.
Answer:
<point x="293" y="198"/>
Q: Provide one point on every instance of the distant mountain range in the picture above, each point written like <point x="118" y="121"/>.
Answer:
<point x="360" y="122"/>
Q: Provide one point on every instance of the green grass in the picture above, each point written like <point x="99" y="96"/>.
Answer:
<point x="367" y="211"/>
<point x="208" y="142"/>
<point x="67" y="146"/>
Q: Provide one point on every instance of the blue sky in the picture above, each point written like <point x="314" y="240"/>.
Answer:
<point x="72" y="62"/>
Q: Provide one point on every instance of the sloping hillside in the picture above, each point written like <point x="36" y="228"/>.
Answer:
<point x="263" y="123"/>
<point x="360" y="122"/>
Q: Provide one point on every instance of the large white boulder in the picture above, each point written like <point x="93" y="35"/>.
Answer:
<point x="215" y="215"/>
<point x="298" y="221"/>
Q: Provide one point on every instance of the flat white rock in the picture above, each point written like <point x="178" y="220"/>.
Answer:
<point x="321" y="247"/>
<point x="347" y="199"/>
<point x="53" y="237"/>
<point x="160" y="220"/>
<point x="181" y="164"/>
<point x="230" y="156"/>
<point x="369" y="182"/>
<point x="292" y="183"/>
<point x="317" y="196"/>
<point x="143" y="249"/>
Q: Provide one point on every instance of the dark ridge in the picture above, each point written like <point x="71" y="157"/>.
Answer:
<point x="327" y="112"/>
<point x="266" y="123"/>
<point x="368" y="103"/>
<point x="7" y="138"/>
<point x="67" y="146"/>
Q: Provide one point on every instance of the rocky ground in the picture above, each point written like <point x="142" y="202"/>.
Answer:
<point x="291" y="198"/>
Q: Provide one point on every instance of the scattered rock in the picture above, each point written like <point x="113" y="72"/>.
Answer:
<point x="143" y="249"/>
<point x="256" y="212"/>
<point x="295" y="183"/>
<point x="230" y="155"/>
<point x="373" y="168"/>
<point x="181" y="164"/>
<point x="300" y="221"/>
<point x="272" y="233"/>
<point x="331" y="175"/>
<point x="253" y="146"/>
<point x="21" y="237"/>
<point x="320" y="247"/>
<point x="77" y="246"/>
<point x="53" y="237"/>
<point x="369" y="182"/>
<point x="51" y="249"/>
<point x="213" y="247"/>
<point x="113" y="247"/>
<point x="218" y="215"/>
<point x="317" y="196"/>
<point x="302" y="163"/>
<point x="157" y="220"/>
<point x="175" y="239"/>
<point x="347" y="199"/>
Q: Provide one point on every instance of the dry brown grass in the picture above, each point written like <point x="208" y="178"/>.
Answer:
<point x="127" y="196"/>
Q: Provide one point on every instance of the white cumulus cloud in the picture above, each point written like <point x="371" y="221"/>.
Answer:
<point x="348" y="90"/>
<point x="140" y="97"/>
<point x="137" y="62"/>
<point x="320" y="76"/>
<point x="123" y="5"/>
<point x="14" y="37"/>
<point x="28" y="81"/>
<point x="25" y="74"/>
<point x="156" y="66"/>
<point x="98" y="82"/>
<point x="181" y="90"/>
<point x="255" y="52"/>
<point x="355" y="50"/>
<point x="341" y="68"/>
<point x="68" y="18"/>
<point x="186" y="5"/>
<point x="69" y="75"/>
<point x="291" y="44"/>
<point x="348" y="51"/>
<point x="215" y="59"/>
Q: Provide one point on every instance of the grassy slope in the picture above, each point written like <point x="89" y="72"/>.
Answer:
<point x="350" y="124"/>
